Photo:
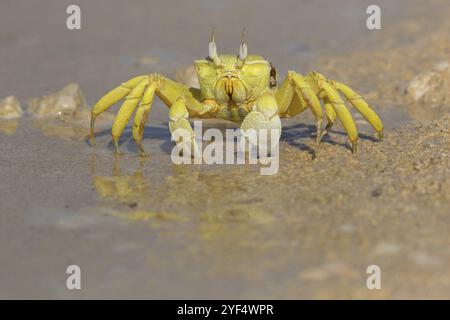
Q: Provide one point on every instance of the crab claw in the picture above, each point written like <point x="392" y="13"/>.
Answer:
<point x="261" y="131"/>
<point x="181" y="129"/>
<point x="262" y="127"/>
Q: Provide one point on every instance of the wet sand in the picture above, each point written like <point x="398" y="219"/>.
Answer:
<point x="145" y="228"/>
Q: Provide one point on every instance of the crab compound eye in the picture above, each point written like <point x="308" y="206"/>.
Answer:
<point x="243" y="51"/>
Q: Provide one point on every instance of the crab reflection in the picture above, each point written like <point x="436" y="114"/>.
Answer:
<point x="9" y="127"/>
<point x="189" y="195"/>
<point x="119" y="186"/>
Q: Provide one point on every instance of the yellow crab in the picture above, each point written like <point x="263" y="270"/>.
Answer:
<point x="240" y="88"/>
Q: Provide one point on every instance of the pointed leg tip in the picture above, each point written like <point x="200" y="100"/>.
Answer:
<point x="319" y="132"/>
<point x="142" y="152"/>
<point x="92" y="133"/>
<point x="328" y="128"/>
<point x="380" y="136"/>
<point x="116" y="146"/>
<point x="354" y="147"/>
<point x="92" y="140"/>
<point x="325" y="133"/>
<point x="319" y="139"/>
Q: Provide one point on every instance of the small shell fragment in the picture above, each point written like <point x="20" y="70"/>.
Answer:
<point x="65" y="104"/>
<point x="10" y="108"/>
<point x="429" y="82"/>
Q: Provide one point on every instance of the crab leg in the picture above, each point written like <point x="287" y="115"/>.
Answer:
<point x="307" y="94"/>
<point x="111" y="98"/>
<point x="144" y="87"/>
<point x="126" y="110"/>
<point x="295" y="95"/>
<point x="141" y="116"/>
<point x="329" y="113"/>
<point x="358" y="102"/>
<point x="342" y="113"/>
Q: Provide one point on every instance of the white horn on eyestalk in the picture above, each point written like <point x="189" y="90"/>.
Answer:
<point x="213" y="49"/>
<point x="242" y="50"/>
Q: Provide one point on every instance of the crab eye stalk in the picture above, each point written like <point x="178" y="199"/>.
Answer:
<point x="213" y="50"/>
<point x="242" y="51"/>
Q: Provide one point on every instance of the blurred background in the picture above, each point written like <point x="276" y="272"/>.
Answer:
<point x="39" y="54"/>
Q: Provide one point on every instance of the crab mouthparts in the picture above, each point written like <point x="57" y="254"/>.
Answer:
<point x="229" y="87"/>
